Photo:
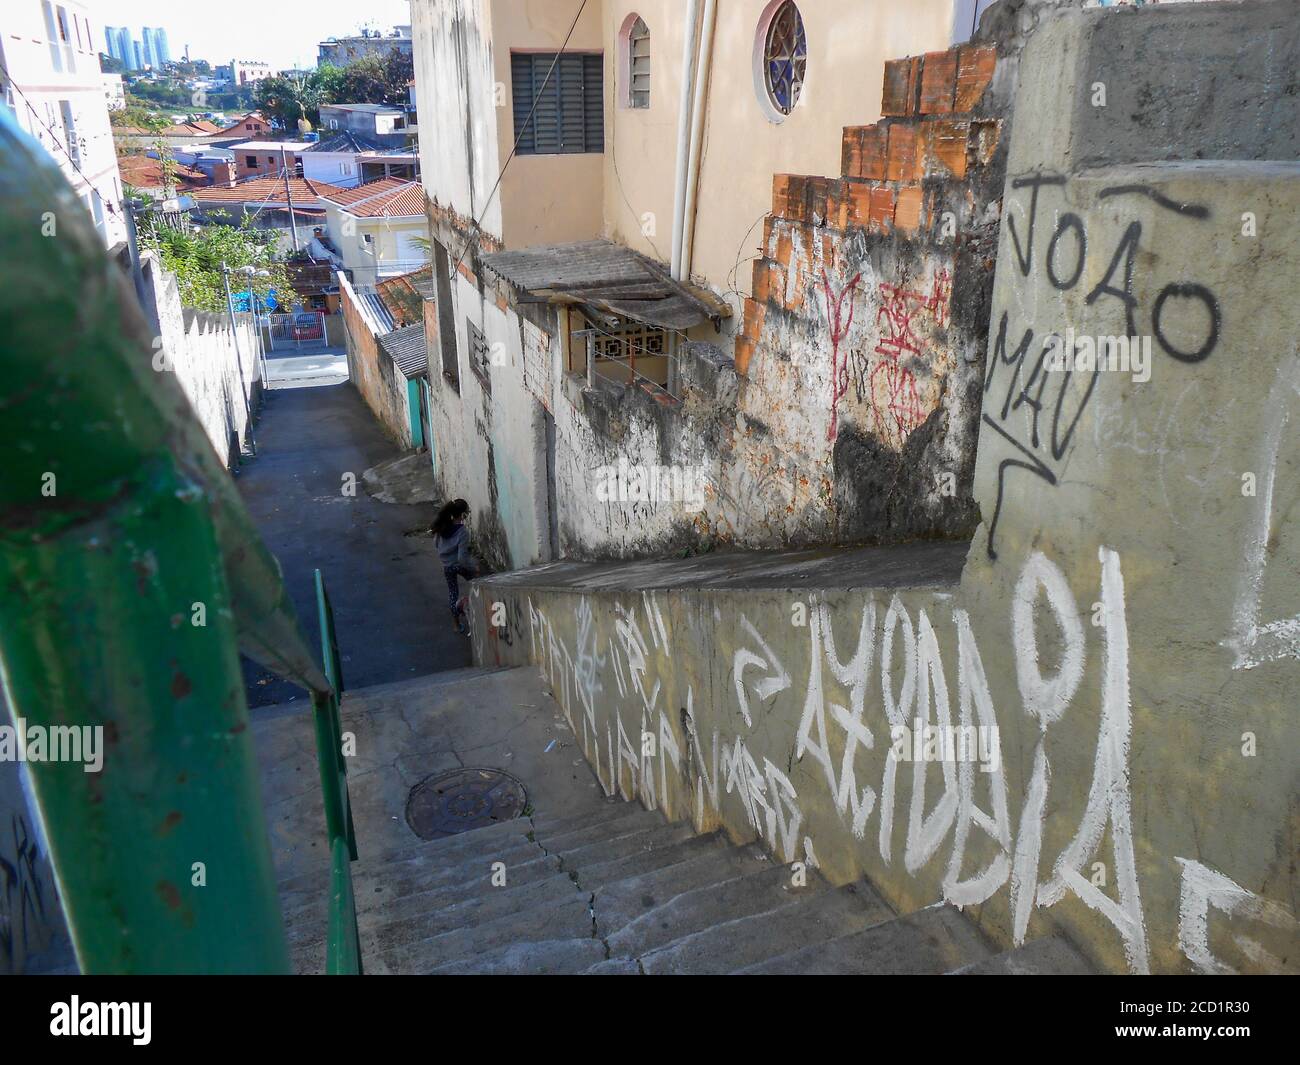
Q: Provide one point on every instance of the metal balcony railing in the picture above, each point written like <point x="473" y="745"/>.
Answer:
<point x="130" y="577"/>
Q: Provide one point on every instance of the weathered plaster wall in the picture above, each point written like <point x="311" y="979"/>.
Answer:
<point x="850" y="411"/>
<point x="217" y="366"/>
<point x="373" y="373"/>
<point x="488" y="429"/>
<point x="1124" y="628"/>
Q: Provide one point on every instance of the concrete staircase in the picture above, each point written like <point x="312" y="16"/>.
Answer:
<point x="586" y="884"/>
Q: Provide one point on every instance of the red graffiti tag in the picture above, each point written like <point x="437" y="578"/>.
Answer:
<point x="902" y="410"/>
<point x="839" y="330"/>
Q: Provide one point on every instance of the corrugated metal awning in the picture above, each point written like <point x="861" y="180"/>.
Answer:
<point x="406" y="347"/>
<point x="611" y="278"/>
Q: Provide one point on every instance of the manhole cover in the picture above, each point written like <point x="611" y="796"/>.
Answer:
<point x="462" y="800"/>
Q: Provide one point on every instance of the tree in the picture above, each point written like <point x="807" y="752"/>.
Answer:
<point x="284" y="100"/>
<point x="195" y="256"/>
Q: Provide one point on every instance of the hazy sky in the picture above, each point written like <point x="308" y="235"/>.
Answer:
<point x="284" y="33"/>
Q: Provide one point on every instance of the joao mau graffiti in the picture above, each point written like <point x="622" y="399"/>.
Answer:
<point x="1037" y="412"/>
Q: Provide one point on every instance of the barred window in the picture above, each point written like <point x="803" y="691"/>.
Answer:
<point x="638" y="64"/>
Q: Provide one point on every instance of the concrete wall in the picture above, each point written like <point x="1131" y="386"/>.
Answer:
<point x="1124" y="628"/>
<point x="373" y="372"/>
<point x="489" y="430"/>
<point x="218" y="367"/>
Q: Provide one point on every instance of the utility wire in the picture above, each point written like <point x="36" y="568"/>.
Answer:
<point x="477" y="228"/>
<point x="53" y="136"/>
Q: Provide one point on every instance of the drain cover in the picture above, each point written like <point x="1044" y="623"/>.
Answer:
<point x="462" y="800"/>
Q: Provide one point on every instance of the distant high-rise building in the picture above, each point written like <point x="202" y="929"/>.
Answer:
<point x="111" y="45"/>
<point x="161" y="47"/>
<point x="149" y="47"/>
<point x="117" y="41"/>
<point x="137" y="49"/>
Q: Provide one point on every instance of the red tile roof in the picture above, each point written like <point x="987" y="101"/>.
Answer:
<point x="388" y="197"/>
<point x="238" y="124"/>
<point x="270" y="190"/>
<point x="146" y="173"/>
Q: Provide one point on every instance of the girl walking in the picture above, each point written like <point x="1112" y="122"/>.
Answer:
<point x="451" y="538"/>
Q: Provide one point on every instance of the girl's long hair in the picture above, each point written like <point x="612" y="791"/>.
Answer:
<point x="446" y="519"/>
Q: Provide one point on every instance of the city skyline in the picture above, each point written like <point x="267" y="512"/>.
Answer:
<point x="247" y="30"/>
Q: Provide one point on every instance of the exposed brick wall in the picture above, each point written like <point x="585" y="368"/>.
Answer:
<point x="869" y="300"/>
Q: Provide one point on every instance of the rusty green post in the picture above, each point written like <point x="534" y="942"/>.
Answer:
<point x="162" y="856"/>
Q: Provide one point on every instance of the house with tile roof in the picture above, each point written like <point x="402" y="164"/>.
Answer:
<point x="335" y="158"/>
<point x="267" y="202"/>
<point x="379" y="229"/>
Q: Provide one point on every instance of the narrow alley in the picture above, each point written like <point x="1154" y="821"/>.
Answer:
<point x="383" y="575"/>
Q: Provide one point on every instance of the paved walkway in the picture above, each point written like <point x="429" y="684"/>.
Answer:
<point x="387" y="587"/>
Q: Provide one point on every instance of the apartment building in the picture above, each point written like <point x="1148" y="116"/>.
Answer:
<point x="52" y="84"/>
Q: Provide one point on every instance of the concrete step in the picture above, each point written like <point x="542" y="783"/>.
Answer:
<point x="1051" y="956"/>
<point x="606" y="813"/>
<point x="578" y="836"/>
<point x="414" y="685"/>
<point x="384" y="896"/>
<point x="696" y="909"/>
<point x="409" y="921"/>
<point x="449" y="851"/>
<point x="569" y="919"/>
<point x="540" y="958"/>
<point x="648" y="837"/>
<point x="931" y="941"/>
<point x="750" y="940"/>
<point x="592" y="877"/>
<point x="621" y="902"/>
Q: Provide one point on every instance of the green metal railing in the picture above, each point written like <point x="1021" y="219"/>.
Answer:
<point x="343" y="954"/>
<point x="130" y="577"/>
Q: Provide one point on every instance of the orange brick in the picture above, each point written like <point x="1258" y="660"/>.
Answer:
<point x="907" y="211"/>
<point x="784" y="248"/>
<point x="864" y="152"/>
<point x="902" y="164"/>
<point x="975" y="66"/>
<point x="945" y="146"/>
<point x="781" y="194"/>
<point x="851" y="151"/>
<point x="938" y="82"/>
<point x="882" y="208"/>
<point x="902" y="81"/>
<point x="836" y="206"/>
<point x="859" y="203"/>
<point x="744" y="354"/>
<point x="768" y="280"/>
<point x="755" y="316"/>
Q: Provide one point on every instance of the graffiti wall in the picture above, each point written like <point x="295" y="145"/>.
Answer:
<point x="1092" y="732"/>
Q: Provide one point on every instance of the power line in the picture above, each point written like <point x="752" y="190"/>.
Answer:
<point x="520" y="135"/>
<point x="55" y="137"/>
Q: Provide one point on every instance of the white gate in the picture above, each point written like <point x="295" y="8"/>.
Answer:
<point x="303" y="331"/>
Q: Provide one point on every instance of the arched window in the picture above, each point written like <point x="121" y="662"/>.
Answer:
<point x="785" y="56"/>
<point x="636" y="67"/>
